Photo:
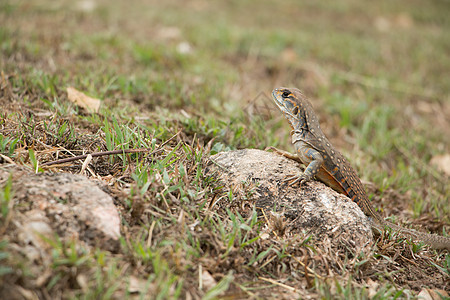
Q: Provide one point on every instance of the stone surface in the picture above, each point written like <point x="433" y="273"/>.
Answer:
<point x="70" y="205"/>
<point x="313" y="208"/>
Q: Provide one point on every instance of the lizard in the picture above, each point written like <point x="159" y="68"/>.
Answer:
<point x="328" y="165"/>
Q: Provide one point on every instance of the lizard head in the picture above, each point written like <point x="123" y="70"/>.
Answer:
<point x="289" y="102"/>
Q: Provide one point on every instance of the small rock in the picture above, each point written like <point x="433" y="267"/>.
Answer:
<point x="70" y="205"/>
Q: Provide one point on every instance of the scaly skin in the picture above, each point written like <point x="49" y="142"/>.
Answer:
<point x="328" y="165"/>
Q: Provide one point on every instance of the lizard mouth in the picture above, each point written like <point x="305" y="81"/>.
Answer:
<point x="276" y="94"/>
<point x="286" y="104"/>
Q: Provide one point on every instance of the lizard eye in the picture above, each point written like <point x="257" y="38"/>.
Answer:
<point x="295" y="111"/>
<point x="286" y="94"/>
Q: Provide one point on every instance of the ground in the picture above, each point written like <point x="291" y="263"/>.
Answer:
<point x="201" y="72"/>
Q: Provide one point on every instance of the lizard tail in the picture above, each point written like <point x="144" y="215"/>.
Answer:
<point x="435" y="241"/>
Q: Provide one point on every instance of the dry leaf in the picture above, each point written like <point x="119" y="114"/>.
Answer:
<point x="83" y="282"/>
<point x="138" y="285"/>
<point x="404" y="20"/>
<point x="289" y="55"/>
<point x="429" y="294"/>
<point x="208" y="281"/>
<point x="80" y="99"/>
<point x="442" y="163"/>
<point x="373" y="288"/>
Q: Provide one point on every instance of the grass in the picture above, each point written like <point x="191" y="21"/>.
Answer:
<point x="375" y="73"/>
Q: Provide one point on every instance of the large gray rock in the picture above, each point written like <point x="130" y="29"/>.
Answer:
<point x="312" y="208"/>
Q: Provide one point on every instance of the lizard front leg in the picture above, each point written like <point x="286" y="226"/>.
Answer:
<point x="285" y="154"/>
<point x="315" y="162"/>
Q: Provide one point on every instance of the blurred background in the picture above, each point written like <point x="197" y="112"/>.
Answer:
<point x="218" y="56"/>
<point x="376" y="72"/>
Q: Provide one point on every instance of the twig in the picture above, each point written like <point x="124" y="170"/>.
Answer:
<point x="217" y="164"/>
<point x="307" y="268"/>
<point x="290" y="288"/>
<point x="96" y="154"/>
<point x="150" y="234"/>
<point x="6" y="158"/>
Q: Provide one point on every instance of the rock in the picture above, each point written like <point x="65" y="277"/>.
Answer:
<point x="312" y="208"/>
<point x="70" y="205"/>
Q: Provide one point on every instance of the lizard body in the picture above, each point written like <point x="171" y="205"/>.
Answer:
<point x="328" y="165"/>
